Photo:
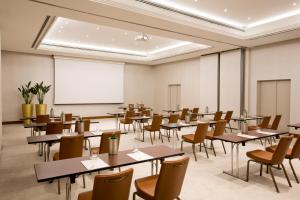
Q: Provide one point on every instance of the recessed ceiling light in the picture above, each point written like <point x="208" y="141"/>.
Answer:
<point x="86" y="35"/>
<point x="294" y="4"/>
<point x="225" y="10"/>
<point x="98" y="28"/>
<point x="249" y="18"/>
<point x="125" y="33"/>
<point x="196" y="0"/>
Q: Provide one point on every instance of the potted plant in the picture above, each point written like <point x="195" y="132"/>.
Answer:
<point x="113" y="145"/>
<point x="41" y="90"/>
<point x="27" y="94"/>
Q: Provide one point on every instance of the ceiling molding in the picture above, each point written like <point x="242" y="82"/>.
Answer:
<point x="43" y="31"/>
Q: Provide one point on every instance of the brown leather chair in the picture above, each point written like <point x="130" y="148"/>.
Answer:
<point x="173" y="118"/>
<point x="197" y="138"/>
<point x="194" y="115"/>
<point x="292" y="153"/>
<point x="54" y="128"/>
<point x="275" y="123"/>
<point x="269" y="159"/>
<point x="228" y="118"/>
<point x="165" y="186"/>
<point x="218" y="115"/>
<point x="127" y="121"/>
<point x="218" y="131"/>
<point x="264" y="124"/>
<point x="70" y="147"/>
<point x="184" y="112"/>
<point x="68" y="118"/>
<point x="130" y="107"/>
<point x="104" y="142"/>
<point x="114" y="186"/>
<point x="154" y="127"/>
<point x="41" y="119"/>
<point x="147" y="114"/>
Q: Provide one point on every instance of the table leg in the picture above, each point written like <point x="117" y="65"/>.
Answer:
<point x="235" y="172"/>
<point x="48" y="152"/>
<point x="117" y="121"/>
<point x="232" y="146"/>
<point x="156" y="165"/>
<point x="68" y="189"/>
<point x="237" y="164"/>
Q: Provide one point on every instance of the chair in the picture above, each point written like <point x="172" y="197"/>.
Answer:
<point x="104" y="142"/>
<point x="218" y="115"/>
<point x="68" y="118"/>
<point x="130" y="107"/>
<point x="228" y="118"/>
<point x="184" y="113"/>
<point x="86" y="127"/>
<point x="114" y="186"/>
<point x="173" y="119"/>
<point x="165" y="186"/>
<point x="41" y="119"/>
<point x="218" y="131"/>
<point x="264" y="124"/>
<point x="275" y="123"/>
<point x="155" y="126"/>
<point x="127" y="120"/>
<point x="70" y="147"/>
<point x="269" y="159"/>
<point x="197" y="138"/>
<point x="145" y="113"/>
<point x="54" y="128"/>
<point x="194" y="115"/>
<point x="292" y="153"/>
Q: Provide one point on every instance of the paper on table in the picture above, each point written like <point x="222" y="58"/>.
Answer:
<point x="97" y="132"/>
<point x="266" y="133"/>
<point x="94" y="164"/>
<point x="62" y="135"/>
<point x="246" y="136"/>
<point x="183" y="124"/>
<point x="139" y="156"/>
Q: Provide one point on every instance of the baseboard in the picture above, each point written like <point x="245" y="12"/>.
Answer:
<point x="87" y="117"/>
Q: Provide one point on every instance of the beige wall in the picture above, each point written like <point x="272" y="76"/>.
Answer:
<point x="19" y="68"/>
<point x="276" y="61"/>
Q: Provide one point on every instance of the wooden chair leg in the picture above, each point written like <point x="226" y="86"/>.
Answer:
<point x="161" y="137"/>
<point x="213" y="148"/>
<point x="83" y="180"/>
<point x="273" y="178"/>
<point x="248" y="168"/>
<point x="181" y="147"/>
<point x="293" y="170"/>
<point x="223" y="147"/>
<point x="58" y="186"/>
<point x="194" y="152"/>
<point x="151" y="138"/>
<point x="286" y="176"/>
<point x="143" y="135"/>
<point x="205" y="149"/>
<point x="134" y="195"/>
<point x="176" y="134"/>
<point x="261" y="168"/>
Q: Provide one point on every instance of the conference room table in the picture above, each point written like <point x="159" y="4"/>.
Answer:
<point x="248" y="118"/>
<point x="48" y="140"/>
<point x="201" y="115"/>
<point x="171" y="110"/>
<point x="71" y="168"/>
<point x="236" y="139"/>
<point x="295" y="125"/>
<point x="140" y="119"/>
<point x="74" y="117"/>
<point x="117" y="116"/>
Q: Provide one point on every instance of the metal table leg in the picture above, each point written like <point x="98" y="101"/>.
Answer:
<point x="234" y="172"/>
<point x="68" y="189"/>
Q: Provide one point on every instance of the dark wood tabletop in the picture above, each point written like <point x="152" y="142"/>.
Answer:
<point x="234" y="138"/>
<point x="296" y="125"/>
<point x="246" y="118"/>
<point x="171" y="111"/>
<point x="56" y="137"/>
<point x="183" y="124"/>
<point x="71" y="167"/>
<point x="34" y="124"/>
<point x="55" y="117"/>
<point x="138" y="118"/>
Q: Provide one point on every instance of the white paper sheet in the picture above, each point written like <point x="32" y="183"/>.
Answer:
<point x="94" y="164"/>
<point x="139" y="156"/>
<point x="246" y="136"/>
<point x="62" y="135"/>
<point x="266" y="133"/>
<point x="97" y="132"/>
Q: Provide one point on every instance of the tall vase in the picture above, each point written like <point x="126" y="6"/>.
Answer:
<point x="40" y="109"/>
<point x="113" y="146"/>
<point x="27" y="110"/>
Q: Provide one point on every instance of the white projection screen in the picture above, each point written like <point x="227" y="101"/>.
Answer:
<point x="80" y="81"/>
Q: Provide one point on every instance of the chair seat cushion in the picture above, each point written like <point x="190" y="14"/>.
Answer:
<point x="95" y="150"/>
<point x="260" y="156"/>
<point x="147" y="127"/>
<point x="85" y="195"/>
<point x="252" y="128"/>
<point x="209" y="135"/>
<point x="273" y="148"/>
<point x="146" y="186"/>
<point x="123" y="121"/>
<point x="188" y="138"/>
<point x="56" y="156"/>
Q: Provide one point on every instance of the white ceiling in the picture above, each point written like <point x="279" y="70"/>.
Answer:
<point x="21" y="21"/>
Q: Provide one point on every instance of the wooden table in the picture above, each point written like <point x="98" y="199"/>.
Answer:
<point x="296" y="125"/>
<point x="248" y="118"/>
<point x="48" y="140"/>
<point x="70" y="168"/>
<point x="236" y="140"/>
<point x="55" y="117"/>
<point x="171" y="111"/>
<point x="117" y="116"/>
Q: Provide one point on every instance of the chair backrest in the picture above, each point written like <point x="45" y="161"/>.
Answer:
<point x="228" y="116"/>
<point x="170" y="180"/>
<point x="296" y="149"/>
<point x="195" y="110"/>
<point x="281" y="149"/>
<point x="265" y="122"/>
<point x="42" y="119"/>
<point x="145" y="113"/>
<point x="156" y="122"/>
<point x="184" y="113"/>
<point x="54" y="128"/>
<point x="86" y="125"/>
<point x="200" y="132"/>
<point x="218" y="116"/>
<point x="194" y="114"/>
<point x="114" y="186"/>
<point x="129" y="114"/>
<point x="104" y="142"/>
<point x="220" y="127"/>
<point x="173" y="118"/>
<point x="276" y="122"/>
<point x="71" y="147"/>
<point x="68" y="117"/>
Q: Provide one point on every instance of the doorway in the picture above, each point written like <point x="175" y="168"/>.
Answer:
<point x="273" y="98"/>
<point x="174" y="96"/>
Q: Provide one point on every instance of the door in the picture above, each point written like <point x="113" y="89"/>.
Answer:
<point x="273" y="98"/>
<point x="174" y="96"/>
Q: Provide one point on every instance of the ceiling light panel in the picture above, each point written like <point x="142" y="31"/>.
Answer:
<point x="72" y="34"/>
